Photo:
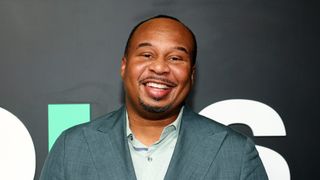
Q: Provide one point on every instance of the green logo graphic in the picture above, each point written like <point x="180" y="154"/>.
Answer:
<point x="64" y="116"/>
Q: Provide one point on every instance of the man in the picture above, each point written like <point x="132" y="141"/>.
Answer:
<point x="155" y="135"/>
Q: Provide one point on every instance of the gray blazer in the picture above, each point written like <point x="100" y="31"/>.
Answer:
<point x="205" y="149"/>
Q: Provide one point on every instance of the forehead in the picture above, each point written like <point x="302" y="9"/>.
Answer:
<point x="163" y="29"/>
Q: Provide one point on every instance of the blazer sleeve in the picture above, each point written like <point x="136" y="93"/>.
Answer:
<point x="53" y="168"/>
<point x="252" y="167"/>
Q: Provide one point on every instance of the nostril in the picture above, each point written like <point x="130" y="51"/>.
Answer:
<point x="159" y="67"/>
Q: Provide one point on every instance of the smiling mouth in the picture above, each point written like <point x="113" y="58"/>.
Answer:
<point x="157" y="88"/>
<point x="157" y="85"/>
<point x="160" y="83"/>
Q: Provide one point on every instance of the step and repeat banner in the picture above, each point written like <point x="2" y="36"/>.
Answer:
<point x="257" y="71"/>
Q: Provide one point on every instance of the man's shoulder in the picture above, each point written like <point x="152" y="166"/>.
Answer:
<point x="217" y="127"/>
<point x="106" y="119"/>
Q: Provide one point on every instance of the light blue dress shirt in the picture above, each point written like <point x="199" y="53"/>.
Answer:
<point x="151" y="163"/>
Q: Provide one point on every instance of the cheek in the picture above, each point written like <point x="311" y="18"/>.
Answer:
<point x="135" y="71"/>
<point x="182" y="74"/>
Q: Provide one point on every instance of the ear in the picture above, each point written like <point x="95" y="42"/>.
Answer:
<point x="123" y="66"/>
<point x="193" y="74"/>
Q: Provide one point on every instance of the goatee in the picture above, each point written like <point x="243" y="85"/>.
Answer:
<point x="154" y="109"/>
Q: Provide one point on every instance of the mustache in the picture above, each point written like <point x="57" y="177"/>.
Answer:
<point x="159" y="79"/>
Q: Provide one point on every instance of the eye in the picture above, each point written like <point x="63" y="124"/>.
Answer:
<point x="175" y="58"/>
<point x="146" y="55"/>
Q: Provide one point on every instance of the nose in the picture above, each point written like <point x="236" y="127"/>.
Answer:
<point x="159" y="66"/>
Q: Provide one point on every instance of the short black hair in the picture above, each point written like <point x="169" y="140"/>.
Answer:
<point x="194" y="50"/>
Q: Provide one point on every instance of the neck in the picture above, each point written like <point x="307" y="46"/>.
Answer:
<point x="148" y="131"/>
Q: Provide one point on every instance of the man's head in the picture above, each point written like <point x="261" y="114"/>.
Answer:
<point x="194" y="49"/>
<point x="158" y="67"/>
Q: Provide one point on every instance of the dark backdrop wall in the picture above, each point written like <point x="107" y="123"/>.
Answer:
<point x="70" y="51"/>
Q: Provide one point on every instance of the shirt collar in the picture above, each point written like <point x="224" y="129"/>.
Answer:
<point x="175" y="124"/>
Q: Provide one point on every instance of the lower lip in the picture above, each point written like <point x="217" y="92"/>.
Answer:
<point x="156" y="93"/>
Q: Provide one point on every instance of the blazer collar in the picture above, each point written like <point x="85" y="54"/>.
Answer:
<point x="109" y="148"/>
<point x="195" y="151"/>
<point x="196" y="148"/>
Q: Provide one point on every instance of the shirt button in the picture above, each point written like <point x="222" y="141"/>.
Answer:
<point x="149" y="159"/>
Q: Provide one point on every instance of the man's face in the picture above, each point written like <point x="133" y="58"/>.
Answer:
<point x="157" y="71"/>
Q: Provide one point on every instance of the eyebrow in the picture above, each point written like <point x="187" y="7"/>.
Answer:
<point x="180" y="48"/>
<point x="143" y="45"/>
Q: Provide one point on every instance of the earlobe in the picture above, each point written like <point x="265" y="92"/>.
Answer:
<point x="193" y="72"/>
<point x="123" y="66"/>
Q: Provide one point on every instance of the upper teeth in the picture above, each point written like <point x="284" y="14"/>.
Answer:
<point x="160" y="86"/>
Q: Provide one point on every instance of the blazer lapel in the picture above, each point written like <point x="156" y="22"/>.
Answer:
<point x="195" y="150"/>
<point x="109" y="148"/>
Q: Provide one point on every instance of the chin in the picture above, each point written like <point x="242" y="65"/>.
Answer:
<point x="153" y="108"/>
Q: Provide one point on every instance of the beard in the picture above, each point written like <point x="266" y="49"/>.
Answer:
<point x="154" y="109"/>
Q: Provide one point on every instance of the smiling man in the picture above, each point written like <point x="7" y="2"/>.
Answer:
<point x="154" y="136"/>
